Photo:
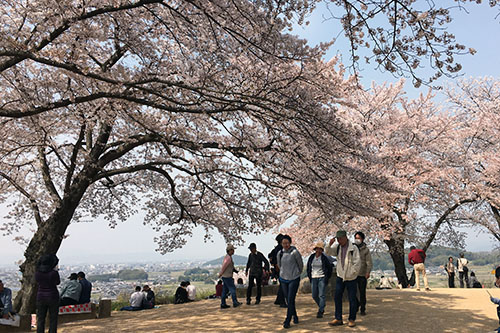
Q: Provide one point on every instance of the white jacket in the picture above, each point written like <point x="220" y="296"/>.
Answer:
<point x="352" y="263"/>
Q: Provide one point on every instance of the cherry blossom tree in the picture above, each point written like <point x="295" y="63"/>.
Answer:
<point x="200" y="114"/>
<point x="477" y="101"/>
<point x="417" y="147"/>
<point x="404" y="36"/>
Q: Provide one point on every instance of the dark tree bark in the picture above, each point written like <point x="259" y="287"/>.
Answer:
<point x="47" y="239"/>
<point x="396" y="245"/>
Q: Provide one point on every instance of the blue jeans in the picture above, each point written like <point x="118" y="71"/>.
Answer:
<point x="352" y="287"/>
<point x="318" y="286"/>
<point x="290" y="291"/>
<point x="228" y="287"/>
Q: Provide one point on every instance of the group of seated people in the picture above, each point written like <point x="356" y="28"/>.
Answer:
<point x="186" y="292"/>
<point x="76" y="291"/>
<point x="141" y="299"/>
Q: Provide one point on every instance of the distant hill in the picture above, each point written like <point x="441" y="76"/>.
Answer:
<point x="238" y="261"/>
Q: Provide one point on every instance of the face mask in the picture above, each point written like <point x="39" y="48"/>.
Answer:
<point x="358" y="241"/>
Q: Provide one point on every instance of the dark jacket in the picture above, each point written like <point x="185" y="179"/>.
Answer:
<point x="181" y="296"/>
<point x="273" y="255"/>
<point x="327" y="267"/>
<point x="150" y="297"/>
<point x="86" y="291"/>
<point x="254" y="264"/>
<point x="47" y="285"/>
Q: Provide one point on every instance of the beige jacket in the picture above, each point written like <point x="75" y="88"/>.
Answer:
<point x="352" y="263"/>
<point x="366" y="260"/>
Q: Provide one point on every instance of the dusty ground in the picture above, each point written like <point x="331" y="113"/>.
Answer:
<point x="441" y="310"/>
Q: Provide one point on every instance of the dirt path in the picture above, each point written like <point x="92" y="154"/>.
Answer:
<point x="441" y="310"/>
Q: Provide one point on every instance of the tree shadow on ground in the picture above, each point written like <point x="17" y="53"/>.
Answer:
<point x="388" y="311"/>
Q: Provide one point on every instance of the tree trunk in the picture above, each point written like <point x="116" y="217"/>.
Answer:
<point x="396" y="245"/>
<point x="46" y="240"/>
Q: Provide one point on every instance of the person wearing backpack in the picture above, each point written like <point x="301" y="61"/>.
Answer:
<point x="463" y="271"/>
<point x="416" y="258"/>
<point x="348" y="266"/>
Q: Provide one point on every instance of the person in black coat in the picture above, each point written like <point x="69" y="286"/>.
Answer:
<point x="254" y="271"/>
<point x="273" y="259"/>
<point x="319" y="271"/>
<point x="181" y="294"/>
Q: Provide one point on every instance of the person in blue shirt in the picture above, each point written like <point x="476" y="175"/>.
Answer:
<point x="5" y="301"/>
<point x="86" y="288"/>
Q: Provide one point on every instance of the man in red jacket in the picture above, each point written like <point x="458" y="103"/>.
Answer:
<point x="416" y="258"/>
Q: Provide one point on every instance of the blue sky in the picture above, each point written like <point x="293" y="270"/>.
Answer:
<point x="132" y="241"/>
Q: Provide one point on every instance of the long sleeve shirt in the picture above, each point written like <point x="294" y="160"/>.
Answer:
<point x="136" y="299"/>
<point x="6" y="301"/>
<point x="416" y="256"/>
<point x="254" y="264"/>
<point x="47" y="285"/>
<point x="290" y="264"/>
<point x="86" y="291"/>
<point x="72" y="290"/>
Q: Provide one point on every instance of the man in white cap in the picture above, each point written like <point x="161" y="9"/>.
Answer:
<point x="348" y="265"/>
<point x="226" y="273"/>
<point x="319" y="271"/>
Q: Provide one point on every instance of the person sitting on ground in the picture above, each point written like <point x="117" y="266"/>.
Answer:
<point x="474" y="282"/>
<point x="5" y="302"/>
<point x="385" y="283"/>
<point x="218" y="289"/>
<point x="86" y="288"/>
<point x="239" y="283"/>
<point x="136" y="301"/>
<point x="70" y="293"/>
<point x="181" y="294"/>
<point x="191" y="290"/>
<point x="149" y="297"/>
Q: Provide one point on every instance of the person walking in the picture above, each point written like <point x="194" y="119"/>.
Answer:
<point x="319" y="271"/>
<point x="47" y="297"/>
<point x="254" y="272"/>
<point x="416" y="258"/>
<point x="364" y="271"/>
<point x="463" y="271"/>
<point x="348" y="266"/>
<point x="450" y="269"/>
<point x="290" y="266"/>
<point x="226" y="273"/>
<point x="273" y="260"/>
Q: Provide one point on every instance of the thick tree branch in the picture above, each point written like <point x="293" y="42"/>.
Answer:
<point x="442" y="219"/>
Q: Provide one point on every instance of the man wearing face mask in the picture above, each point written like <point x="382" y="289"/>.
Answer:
<point x="364" y="271"/>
